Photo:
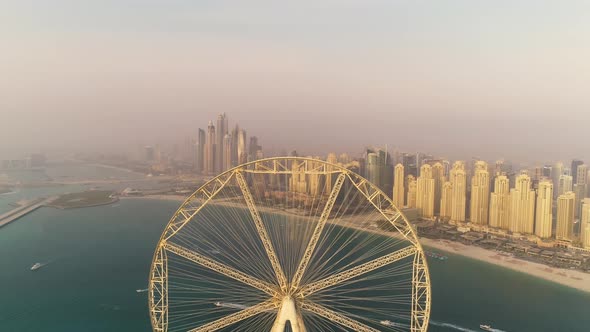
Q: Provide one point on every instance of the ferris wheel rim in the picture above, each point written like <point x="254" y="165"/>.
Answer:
<point x="247" y="168"/>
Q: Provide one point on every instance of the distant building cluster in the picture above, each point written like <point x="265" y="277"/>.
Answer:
<point x="550" y="205"/>
<point x="33" y="161"/>
<point x="218" y="148"/>
<point x="212" y="151"/>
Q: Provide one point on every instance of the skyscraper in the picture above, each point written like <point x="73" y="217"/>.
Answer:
<point x="585" y="224"/>
<point x="210" y="149"/>
<point x="438" y="174"/>
<point x="378" y="169"/>
<point x="522" y="206"/>
<point x="425" y="192"/>
<point x="227" y="151"/>
<point x="575" y="164"/>
<point x="398" y="186"/>
<point x="582" y="173"/>
<point x="580" y="192"/>
<point x="565" y="216"/>
<point x="446" y="200"/>
<point x="580" y="187"/>
<point x="200" y="152"/>
<point x="254" y="149"/>
<point x="480" y="194"/>
<point x="564" y="185"/>
<point x="242" y="152"/>
<point x="411" y="200"/>
<point x="556" y="173"/>
<point x="235" y="134"/>
<point x="458" y="178"/>
<point x="500" y="203"/>
<point x="544" y="215"/>
<point x="221" y="130"/>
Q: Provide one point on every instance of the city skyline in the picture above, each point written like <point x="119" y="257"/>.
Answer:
<point x="420" y="76"/>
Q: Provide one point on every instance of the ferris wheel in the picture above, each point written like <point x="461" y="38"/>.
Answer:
<point x="289" y="244"/>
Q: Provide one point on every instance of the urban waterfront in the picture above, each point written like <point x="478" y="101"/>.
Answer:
<point x="97" y="257"/>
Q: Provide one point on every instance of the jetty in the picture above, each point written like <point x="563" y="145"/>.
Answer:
<point x="23" y="210"/>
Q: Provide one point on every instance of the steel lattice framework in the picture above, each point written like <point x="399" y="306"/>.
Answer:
<point x="291" y="296"/>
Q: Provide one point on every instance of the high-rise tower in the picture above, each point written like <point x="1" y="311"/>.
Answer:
<point x="500" y="203"/>
<point x="480" y="194"/>
<point x="585" y="224"/>
<point x="210" y="149"/>
<point x="242" y="152"/>
<point x="544" y="215"/>
<point x="221" y="131"/>
<point x="227" y="151"/>
<point x="411" y="201"/>
<point x="200" y="152"/>
<point x="425" y="192"/>
<point x="522" y="206"/>
<point x="565" y="216"/>
<point x="575" y="164"/>
<point x="398" y="186"/>
<point x="438" y="174"/>
<point x="565" y="184"/>
<point x="446" y="200"/>
<point x="556" y="173"/>
<point x="458" y="178"/>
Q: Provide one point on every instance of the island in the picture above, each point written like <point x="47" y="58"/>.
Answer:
<point x="84" y="199"/>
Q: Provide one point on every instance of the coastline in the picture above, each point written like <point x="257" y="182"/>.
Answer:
<point x="571" y="278"/>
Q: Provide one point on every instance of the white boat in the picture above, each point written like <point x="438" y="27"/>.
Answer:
<point x="230" y="305"/>
<point x="389" y="323"/>
<point x="141" y="290"/>
<point x="486" y="328"/>
<point x="36" y="266"/>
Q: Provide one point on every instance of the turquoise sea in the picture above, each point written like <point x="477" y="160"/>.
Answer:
<point x="97" y="257"/>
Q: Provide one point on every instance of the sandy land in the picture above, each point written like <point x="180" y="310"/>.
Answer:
<point x="177" y="198"/>
<point x="572" y="278"/>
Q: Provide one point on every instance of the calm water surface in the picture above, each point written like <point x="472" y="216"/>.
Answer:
<point x="97" y="257"/>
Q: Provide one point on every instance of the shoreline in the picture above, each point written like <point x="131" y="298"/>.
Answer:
<point x="570" y="278"/>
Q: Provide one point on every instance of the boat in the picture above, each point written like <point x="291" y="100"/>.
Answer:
<point x="141" y="290"/>
<point x="436" y="255"/>
<point x="486" y="328"/>
<point x="230" y="305"/>
<point x="390" y="323"/>
<point x="36" y="266"/>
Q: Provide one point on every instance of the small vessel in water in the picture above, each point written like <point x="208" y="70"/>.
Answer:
<point x="486" y="327"/>
<point x="141" y="290"/>
<point x="436" y="255"/>
<point x="390" y="323"/>
<point x="36" y="266"/>
<point x="230" y="305"/>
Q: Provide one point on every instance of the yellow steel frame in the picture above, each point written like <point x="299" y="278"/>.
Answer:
<point x="158" y="284"/>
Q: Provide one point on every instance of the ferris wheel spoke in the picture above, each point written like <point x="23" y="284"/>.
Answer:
<point x="270" y="251"/>
<point x="237" y="317"/>
<point x="336" y="317"/>
<point x="187" y="211"/>
<point x="317" y="231"/>
<point x="221" y="268"/>
<point x="357" y="271"/>
<point x="379" y="201"/>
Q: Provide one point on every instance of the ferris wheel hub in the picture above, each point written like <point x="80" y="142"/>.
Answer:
<point x="288" y="312"/>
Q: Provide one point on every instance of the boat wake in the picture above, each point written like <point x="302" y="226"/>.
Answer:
<point x="458" y="328"/>
<point x="452" y="326"/>
<point x="230" y="305"/>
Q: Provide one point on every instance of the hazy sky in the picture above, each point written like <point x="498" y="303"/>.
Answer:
<point x="456" y="78"/>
